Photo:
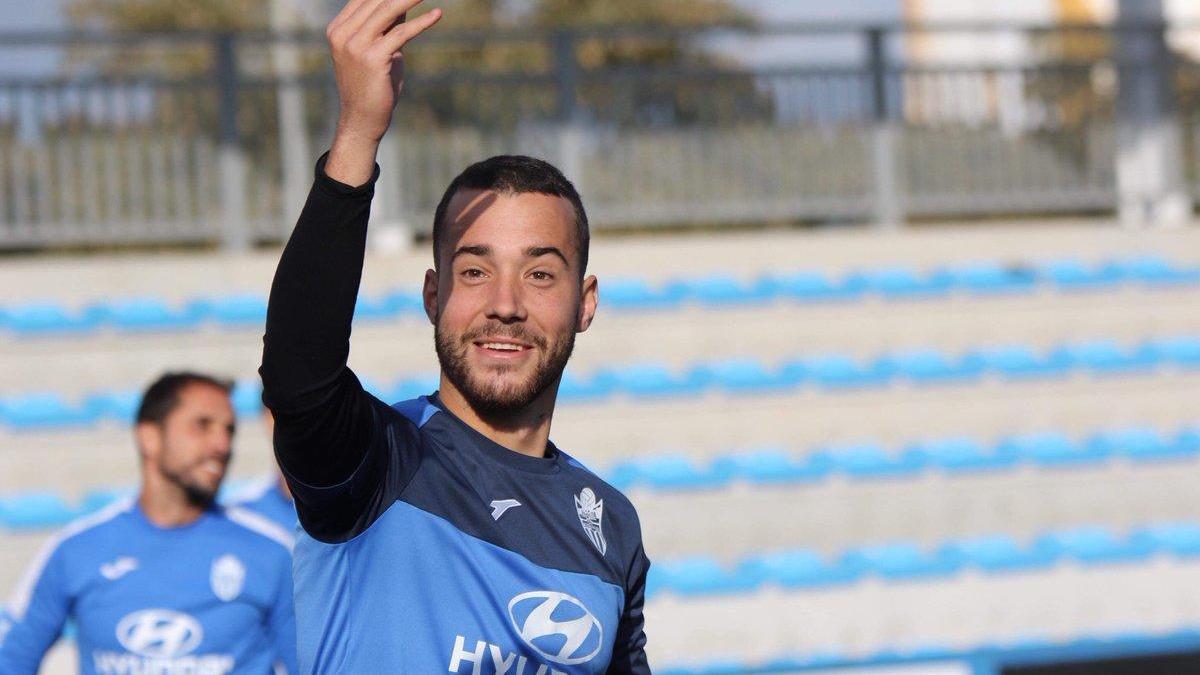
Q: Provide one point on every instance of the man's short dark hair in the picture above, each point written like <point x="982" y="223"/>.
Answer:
<point x="515" y="174"/>
<point x="162" y="396"/>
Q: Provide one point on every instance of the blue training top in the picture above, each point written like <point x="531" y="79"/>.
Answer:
<point x="208" y="598"/>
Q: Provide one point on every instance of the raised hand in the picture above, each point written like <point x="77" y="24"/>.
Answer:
<point x="366" y="40"/>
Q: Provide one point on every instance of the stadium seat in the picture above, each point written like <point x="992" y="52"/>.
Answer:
<point x="1093" y="545"/>
<point x="998" y="553"/>
<point x="1138" y="444"/>
<point x="959" y="455"/>
<point x="670" y="472"/>
<point x="45" y="410"/>
<point x="798" y="569"/>
<point x="991" y="278"/>
<point x="147" y="314"/>
<point x="235" y="311"/>
<point x="867" y="460"/>
<point x="94" y="500"/>
<point x="576" y="387"/>
<point x="926" y="366"/>
<point x="35" y="511"/>
<point x="1104" y="357"/>
<point x="901" y="561"/>
<point x="701" y="576"/>
<point x="1074" y="275"/>
<point x="48" y="318"/>
<point x="835" y="371"/>
<point x="1179" y="539"/>
<point x="119" y="405"/>
<point x="409" y="388"/>
<point x="815" y="287"/>
<point x="1018" y="362"/>
<point x="375" y="308"/>
<point x="774" y="466"/>
<point x="1182" y="351"/>
<point x="247" y="398"/>
<point x="653" y="380"/>
<point x="638" y="294"/>
<point x="745" y="376"/>
<point x="1156" y="271"/>
<point x="1051" y="449"/>
<point x="404" y="301"/>
<point x="902" y="283"/>
<point x="726" y="291"/>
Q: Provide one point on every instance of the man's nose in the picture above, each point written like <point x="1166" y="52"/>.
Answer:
<point x="505" y="303"/>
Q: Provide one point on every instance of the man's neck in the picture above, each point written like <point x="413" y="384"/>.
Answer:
<point x="166" y="505"/>
<point x="527" y="432"/>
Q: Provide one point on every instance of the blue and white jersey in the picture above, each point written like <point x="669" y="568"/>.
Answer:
<point x="265" y="497"/>
<point x="208" y="598"/>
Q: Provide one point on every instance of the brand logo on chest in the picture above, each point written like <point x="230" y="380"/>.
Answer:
<point x="591" y="513"/>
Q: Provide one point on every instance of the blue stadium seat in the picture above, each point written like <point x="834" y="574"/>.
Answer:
<point x="998" y="553"/>
<point x="45" y="411"/>
<point x="958" y="455"/>
<point x="1095" y="545"/>
<point x="575" y="387"/>
<point x="835" y="371"/>
<point x="816" y="287"/>
<point x="1182" y="351"/>
<point x="235" y="311"/>
<point x="147" y="314"/>
<point x="721" y="290"/>
<point x="746" y="376"/>
<point x="1180" y="539"/>
<point x="774" y="466"/>
<point x="1139" y="444"/>
<point x="651" y="380"/>
<point x="1156" y="271"/>
<point x="798" y="569"/>
<point x="1019" y="362"/>
<point x="1107" y="357"/>
<point x="118" y="405"/>
<point x="247" y="397"/>
<point x="927" y="366"/>
<point x="670" y="472"/>
<point x="901" y="561"/>
<point x="35" y="511"/>
<point x="1073" y="275"/>
<point x="94" y="500"/>
<point x="702" y="576"/>
<point x="638" y="294"/>
<point x="903" y="283"/>
<point x="48" y="318"/>
<point x="867" y="460"/>
<point x="375" y="308"/>
<point x="1052" y="449"/>
<point x="404" y="301"/>
<point x="991" y="278"/>
<point x="409" y="388"/>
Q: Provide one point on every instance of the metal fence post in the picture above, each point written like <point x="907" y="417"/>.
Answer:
<point x="888" y="209"/>
<point x="295" y="155"/>
<point x="570" y="126"/>
<point x="231" y="163"/>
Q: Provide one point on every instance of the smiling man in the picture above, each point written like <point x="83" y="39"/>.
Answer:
<point x="445" y="533"/>
<point x="170" y="582"/>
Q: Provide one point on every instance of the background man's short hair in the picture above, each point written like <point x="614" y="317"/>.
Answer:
<point x="162" y="396"/>
<point x="515" y="174"/>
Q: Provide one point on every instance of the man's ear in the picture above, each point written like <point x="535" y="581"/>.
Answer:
<point x="429" y="295"/>
<point x="149" y="439"/>
<point x="588" y="302"/>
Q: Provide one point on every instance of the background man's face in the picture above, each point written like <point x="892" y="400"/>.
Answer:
<point x="192" y="447"/>
<point x="507" y="300"/>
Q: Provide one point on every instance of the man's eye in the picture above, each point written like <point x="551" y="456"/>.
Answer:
<point x="473" y="273"/>
<point x="543" y="276"/>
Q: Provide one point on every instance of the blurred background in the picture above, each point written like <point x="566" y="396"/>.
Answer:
<point x="899" y="344"/>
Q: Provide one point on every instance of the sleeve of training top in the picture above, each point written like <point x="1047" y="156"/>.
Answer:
<point x="629" y="649"/>
<point x="35" y="616"/>
<point x="282" y="627"/>
<point x="331" y="436"/>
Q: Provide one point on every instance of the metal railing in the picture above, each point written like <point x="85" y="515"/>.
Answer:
<point x="205" y="137"/>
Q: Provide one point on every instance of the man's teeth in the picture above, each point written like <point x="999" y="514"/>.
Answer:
<point x="502" y="346"/>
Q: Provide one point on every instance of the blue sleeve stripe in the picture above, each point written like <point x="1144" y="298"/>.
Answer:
<point x="19" y="602"/>
<point x="417" y="410"/>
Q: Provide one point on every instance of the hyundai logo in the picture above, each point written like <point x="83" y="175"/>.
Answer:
<point x="159" y="633"/>
<point x="556" y="626"/>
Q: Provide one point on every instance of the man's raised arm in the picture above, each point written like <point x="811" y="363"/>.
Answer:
<point x="323" y="417"/>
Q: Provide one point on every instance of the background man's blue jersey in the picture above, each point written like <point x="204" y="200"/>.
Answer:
<point x="209" y="598"/>
<point x="265" y="497"/>
<point x="428" y="547"/>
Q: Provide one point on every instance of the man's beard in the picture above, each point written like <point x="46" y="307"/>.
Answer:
<point x="195" y="493"/>
<point x="490" y="399"/>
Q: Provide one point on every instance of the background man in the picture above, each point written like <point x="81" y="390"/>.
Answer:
<point x="446" y="533"/>
<point x="169" y="582"/>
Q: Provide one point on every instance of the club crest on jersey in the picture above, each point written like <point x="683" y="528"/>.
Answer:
<point x="227" y="577"/>
<point x="591" y="511"/>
